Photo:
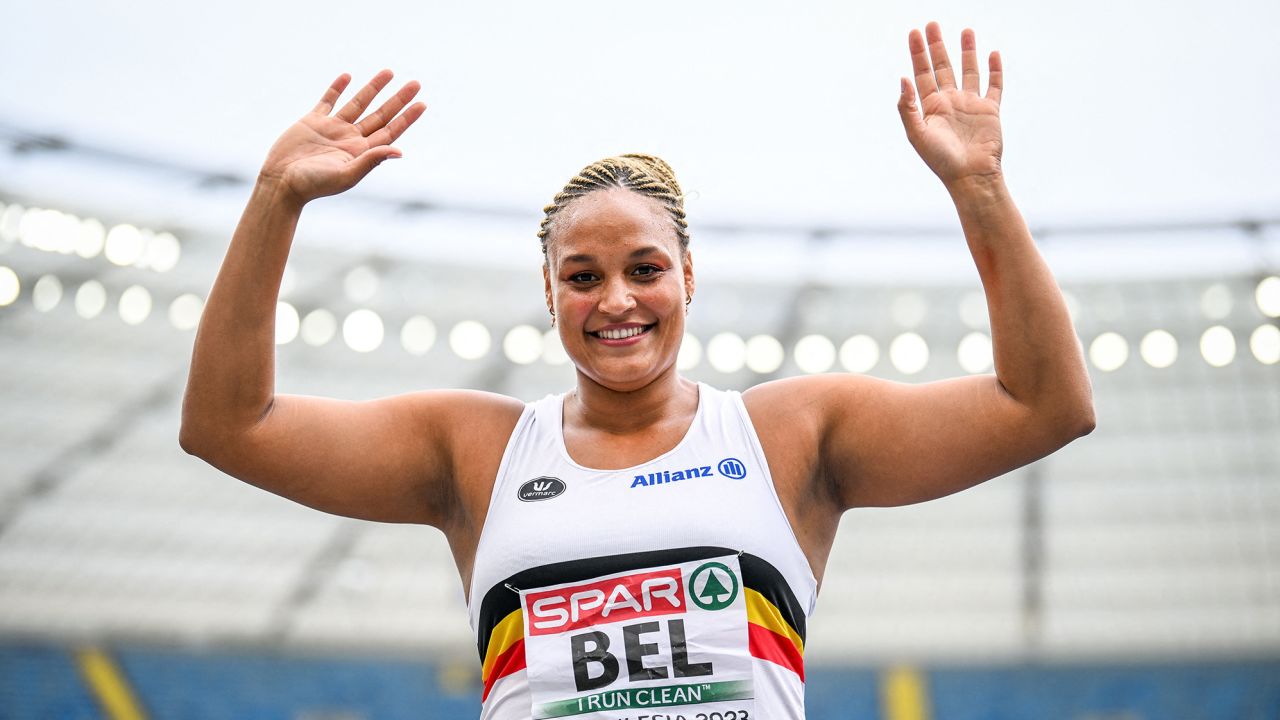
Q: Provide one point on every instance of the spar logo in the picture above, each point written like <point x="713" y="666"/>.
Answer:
<point x="543" y="488"/>
<point x="639" y="595"/>
<point x="615" y="627"/>
<point x="713" y="586"/>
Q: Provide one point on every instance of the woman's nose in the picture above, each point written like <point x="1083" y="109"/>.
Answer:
<point x="617" y="298"/>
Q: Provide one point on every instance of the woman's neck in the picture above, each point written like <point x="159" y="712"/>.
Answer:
<point x="595" y="406"/>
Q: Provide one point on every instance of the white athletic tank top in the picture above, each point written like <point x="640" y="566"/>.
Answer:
<point x="675" y="587"/>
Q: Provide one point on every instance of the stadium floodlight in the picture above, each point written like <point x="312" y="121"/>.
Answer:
<point x="319" y="327"/>
<point x="360" y="283"/>
<point x="1159" y="348"/>
<point x="1265" y="344"/>
<point x="46" y="293"/>
<point x="909" y="353"/>
<point x="860" y="353"/>
<point x="690" y="353"/>
<point x="1267" y="296"/>
<point x="1218" y="346"/>
<point x="764" y="354"/>
<point x="815" y="353"/>
<point x="135" y="305"/>
<point x="1216" y="302"/>
<point x="726" y="352"/>
<point x="185" y="310"/>
<point x="418" y="335"/>
<point x="362" y="330"/>
<point x="974" y="353"/>
<point x="91" y="299"/>
<point x="286" y="323"/>
<point x="552" y="349"/>
<point x="1109" y="351"/>
<point x="522" y="344"/>
<point x="10" y="286"/>
<point x="469" y="340"/>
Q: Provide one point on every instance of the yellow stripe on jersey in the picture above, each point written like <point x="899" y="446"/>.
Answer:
<point x="506" y="632"/>
<point x="763" y="613"/>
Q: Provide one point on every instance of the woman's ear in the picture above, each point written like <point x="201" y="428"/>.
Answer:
<point x="546" y="283"/>
<point x="688" y="276"/>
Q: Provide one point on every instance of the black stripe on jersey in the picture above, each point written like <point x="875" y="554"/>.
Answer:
<point x="501" y="599"/>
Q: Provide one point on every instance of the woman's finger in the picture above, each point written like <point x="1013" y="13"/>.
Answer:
<point x="909" y="111"/>
<point x="969" y="61"/>
<point x="938" y="53"/>
<point x="397" y="126"/>
<point x="363" y="99"/>
<point x="325" y="106"/>
<point x="995" y="79"/>
<point x="920" y="65"/>
<point x="383" y="115"/>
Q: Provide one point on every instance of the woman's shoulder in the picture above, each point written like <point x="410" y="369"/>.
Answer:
<point x="799" y="410"/>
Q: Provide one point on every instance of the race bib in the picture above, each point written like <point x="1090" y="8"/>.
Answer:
<point x="663" y="643"/>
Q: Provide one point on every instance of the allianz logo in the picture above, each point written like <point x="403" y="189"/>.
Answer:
<point x="732" y="468"/>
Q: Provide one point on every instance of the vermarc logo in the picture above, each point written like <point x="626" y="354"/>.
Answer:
<point x="542" y="488"/>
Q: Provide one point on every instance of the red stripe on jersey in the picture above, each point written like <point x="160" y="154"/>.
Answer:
<point x="508" y="662"/>
<point x="769" y="645"/>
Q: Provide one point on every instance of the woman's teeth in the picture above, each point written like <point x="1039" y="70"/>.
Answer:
<point x="622" y="333"/>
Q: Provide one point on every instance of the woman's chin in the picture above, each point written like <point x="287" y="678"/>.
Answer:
<point x="624" y="378"/>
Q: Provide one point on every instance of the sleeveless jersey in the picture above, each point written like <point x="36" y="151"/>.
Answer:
<point x="674" y="588"/>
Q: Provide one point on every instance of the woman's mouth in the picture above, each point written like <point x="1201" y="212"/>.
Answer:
<point x="623" y="333"/>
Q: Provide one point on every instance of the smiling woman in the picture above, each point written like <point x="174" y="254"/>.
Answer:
<point x="618" y="277"/>
<point x="641" y="542"/>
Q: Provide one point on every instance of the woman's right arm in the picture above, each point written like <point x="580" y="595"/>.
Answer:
<point x="406" y="458"/>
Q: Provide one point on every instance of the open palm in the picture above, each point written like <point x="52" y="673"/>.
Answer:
<point x="323" y="154"/>
<point x="958" y="133"/>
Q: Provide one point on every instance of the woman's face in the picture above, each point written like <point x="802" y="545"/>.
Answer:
<point x="617" y="281"/>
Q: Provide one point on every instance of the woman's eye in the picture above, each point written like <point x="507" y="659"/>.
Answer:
<point x="582" y="277"/>
<point x="647" y="270"/>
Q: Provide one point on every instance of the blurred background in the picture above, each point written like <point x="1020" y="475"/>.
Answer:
<point x="1133" y="575"/>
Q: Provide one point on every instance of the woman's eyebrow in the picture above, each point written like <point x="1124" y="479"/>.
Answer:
<point x="638" y="252"/>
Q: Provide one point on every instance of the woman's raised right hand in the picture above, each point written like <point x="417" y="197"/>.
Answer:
<point x="323" y="154"/>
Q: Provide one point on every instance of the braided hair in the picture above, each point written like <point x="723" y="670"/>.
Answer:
<point x="645" y="174"/>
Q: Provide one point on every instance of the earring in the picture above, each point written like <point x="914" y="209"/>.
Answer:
<point x="687" y="301"/>
<point x="553" y="316"/>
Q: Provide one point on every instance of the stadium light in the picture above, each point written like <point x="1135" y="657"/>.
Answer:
<point x="764" y="354"/>
<point x="860" y="353"/>
<point x="1109" y="351"/>
<point x="362" y="330"/>
<point x="909" y="353"/>
<point x="319" y="327"/>
<point x="286" y="323"/>
<point x="814" y="353"/>
<point x="1158" y="348"/>
<point x="726" y="352"/>
<point x="1218" y="346"/>
<point x="522" y="344"/>
<point x="418" y="335"/>
<point x="469" y="340"/>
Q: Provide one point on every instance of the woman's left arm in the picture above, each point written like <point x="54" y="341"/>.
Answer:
<point x="881" y="443"/>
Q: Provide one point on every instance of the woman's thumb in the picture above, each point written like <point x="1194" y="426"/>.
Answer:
<point x="370" y="159"/>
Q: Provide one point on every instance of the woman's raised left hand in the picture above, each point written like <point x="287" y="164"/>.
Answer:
<point x="958" y="133"/>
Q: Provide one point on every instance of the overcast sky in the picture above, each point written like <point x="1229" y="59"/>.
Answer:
<point x="780" y="112"/>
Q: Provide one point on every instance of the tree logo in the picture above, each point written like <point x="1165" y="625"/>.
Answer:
<point x="713" y="586"/>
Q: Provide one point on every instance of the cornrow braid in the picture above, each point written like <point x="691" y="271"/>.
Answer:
<point x="645" y="174"/>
